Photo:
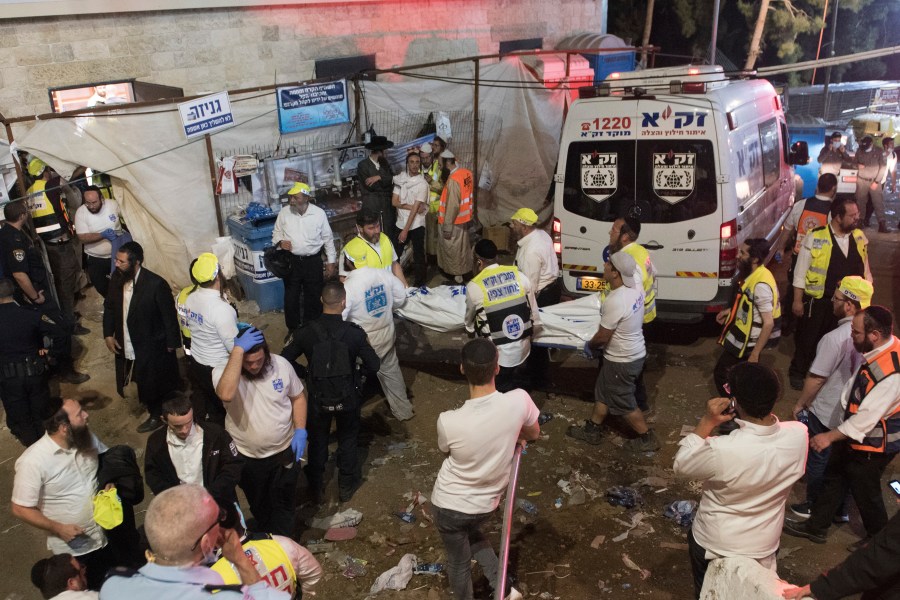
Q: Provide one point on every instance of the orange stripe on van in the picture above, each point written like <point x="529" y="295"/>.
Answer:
<point x="589" y="268"/>
<point x="696" y="274"/>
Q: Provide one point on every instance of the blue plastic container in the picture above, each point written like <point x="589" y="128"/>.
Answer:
<point x="250" y="240"/>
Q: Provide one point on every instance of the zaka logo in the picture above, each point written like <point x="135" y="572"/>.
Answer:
<point x="682" y="118"/>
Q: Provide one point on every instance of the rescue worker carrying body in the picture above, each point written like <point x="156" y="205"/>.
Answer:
<point x="500" y="305"/>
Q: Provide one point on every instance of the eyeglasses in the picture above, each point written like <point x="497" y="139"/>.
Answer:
<point x="834" y="298"/>
<point x="219" y="520"/>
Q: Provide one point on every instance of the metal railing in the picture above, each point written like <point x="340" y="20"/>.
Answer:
<point x="508" y="511"/>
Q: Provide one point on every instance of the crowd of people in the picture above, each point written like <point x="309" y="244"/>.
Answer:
<point x="253" y="415"/>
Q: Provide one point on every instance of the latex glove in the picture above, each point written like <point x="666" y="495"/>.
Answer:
<point x="249" y="338"/>
<point x="109" y="234"/>
<point x="587" y="349"/>
<point x="298" y="443"/>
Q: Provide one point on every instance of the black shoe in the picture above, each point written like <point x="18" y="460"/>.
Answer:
<point x="80" y="330"/>
<point x="802" y="510"/>
<point x="345" y="495"/>
<point x="796" y="381"/>
<point x="151" y="424"/>
<point x="589" y="432"/>
<point x="840" y="519"/>
<point x="73" y="376"/>
<point x="800" y="530"/>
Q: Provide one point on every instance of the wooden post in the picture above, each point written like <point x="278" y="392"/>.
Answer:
<point x="212" y="176"/>
<point x="475" y="142"/>
<point x="356" y="100"/>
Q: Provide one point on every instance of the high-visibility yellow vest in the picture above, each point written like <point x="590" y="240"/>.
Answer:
<point x="270" y="560"/>
<point x="434" y="197"/>
<point x="382" y="258"/>
<point x="463" y="177"/>
<point x="736" y="333"/>
<point x="822" y="247"/>
<point x="46" y="222"/>
<point x="506" y="306"/>
<point x="885" y="436"/>
<point x="642" y="258"/>
<point x="181" y="308"/>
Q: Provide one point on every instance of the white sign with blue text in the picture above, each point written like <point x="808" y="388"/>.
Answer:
<point x="206" y="115"/>
<point x="312" y="106"/>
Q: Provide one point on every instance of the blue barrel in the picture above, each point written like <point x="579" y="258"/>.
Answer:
<point x="250" y="239"/>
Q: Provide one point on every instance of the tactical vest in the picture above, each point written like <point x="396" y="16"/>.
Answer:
<point x="821" y="271"/>
<point x="885" y="436"/>
<point x="382" y="258"/>
<point x="46" y="222"/>
<point x="735" y="336"/>
<point x="642" y="258"/>
<point x="505" y="304"/>
<point x="434" y="198"/>
<point x="466" y="189"/>
<point x="270" y="561"/>
<point x="814" y="215"/>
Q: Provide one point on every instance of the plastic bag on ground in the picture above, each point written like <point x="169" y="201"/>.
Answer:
<point x="395" y="578"/>
<point x="623" y="496"/>
<point x="682" y="512"/>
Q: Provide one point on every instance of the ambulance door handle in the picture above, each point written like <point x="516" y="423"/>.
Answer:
<point x="652" y="246"/>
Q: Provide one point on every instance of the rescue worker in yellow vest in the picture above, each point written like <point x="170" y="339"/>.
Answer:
<point x="377" y="247"/>
<point x="431" y="170"/>
<point x="182" y="310"/>
<point x="869" y="437"/>
<point x="623" y="235"/>
<point x="454" y="218"/>
<point x="52" y="224"/>
<point x="827" y="255"/>
<point x="754" y="320"/>
<point x="500" y="305"/>
<point x="283" y="563"/>
<point x="806" y="215"/>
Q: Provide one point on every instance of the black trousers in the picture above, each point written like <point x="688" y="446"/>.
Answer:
<point x="98" y="270"/>
<point x="24" y="399"/>
<point x="204" y="400"/>
<point x="270" y="485"/>
<point x="860" y="473"/>
<point x="66" y="268"/>
<point x="416" y="237"/>
<point x="699" y="562"/>
<point x="97" y="564"/>
<point x="303" y="290"/>
<point x="318" y="425"/>
<point x="539" y="359"/>
<point x="817" y="320"/>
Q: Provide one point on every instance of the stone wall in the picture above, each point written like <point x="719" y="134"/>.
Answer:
<point x="210" y="50"/>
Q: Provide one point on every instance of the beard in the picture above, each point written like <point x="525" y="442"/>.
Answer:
<point x="445" y="174"/>
<point x="80" y="438"/>
<point x="744" y="269"/>
<point x="865" y="346"/>
<point x="94" y="211"/>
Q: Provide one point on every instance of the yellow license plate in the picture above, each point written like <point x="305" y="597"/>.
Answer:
<point x="591" y="284"/>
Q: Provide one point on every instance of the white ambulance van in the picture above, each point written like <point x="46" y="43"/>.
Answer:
<point x="701" y="160"/>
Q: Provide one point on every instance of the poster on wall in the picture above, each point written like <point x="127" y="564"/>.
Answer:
<point x="312" y="106"/>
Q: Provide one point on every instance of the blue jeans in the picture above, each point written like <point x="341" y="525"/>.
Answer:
<point x="463" y="540"/>
<point x="815" y="465"/>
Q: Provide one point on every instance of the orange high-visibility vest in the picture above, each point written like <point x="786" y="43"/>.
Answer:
<point x="885" y="436"/>
<point x="466" y="189"/>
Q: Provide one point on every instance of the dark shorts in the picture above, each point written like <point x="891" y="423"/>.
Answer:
<point x="615" y="386"/>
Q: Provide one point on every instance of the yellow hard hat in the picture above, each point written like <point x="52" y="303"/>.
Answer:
<point x="206" y="268"/>
<point x="299" y="188"/>
<point x="526" y="216"/>
<point x="356" y="250"/>
<point x="108" y="509"/>
<point x="858" y="289"/>
<point x="36" y="166"/>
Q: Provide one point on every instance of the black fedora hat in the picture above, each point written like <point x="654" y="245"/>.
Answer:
<point x="379" y="142"/>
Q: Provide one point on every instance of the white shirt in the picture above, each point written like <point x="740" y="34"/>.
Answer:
<point x="187" y="455"/>
<point x="890" y="161"/>
<point x="106" y="218"/>
<point x="127" y="294"/>
<point x="623" y="313"/>
<point x="838" y="360"/>
<point x="510" y="354"/>
<point x="410" y="189"/>
<point x="881" y="401"/>
<point x="308" y="233"/>
<point x="804" y="258"/>
<point x="372" y="296"/>
<point x="260" y="418"/>
<point x="480" y="438"/>
<point x="747" y="477"/>
<point x="537" y="260"/>
<point x="71" y="595"/>
<point x="61" y="484"/>
<point x="213" y="325"/>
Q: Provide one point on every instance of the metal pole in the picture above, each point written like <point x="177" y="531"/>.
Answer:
<point x="475" y="144"/>
<point x="828" y="68"/>
<point x="715" y="33"/>
<point x="20" y="176"/>
<point x="508" y="510"/>
<point x="212" y="175"/>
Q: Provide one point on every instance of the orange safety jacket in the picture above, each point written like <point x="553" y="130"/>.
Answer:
<point x="464" y="178"/>
<point x="885" y="436"/>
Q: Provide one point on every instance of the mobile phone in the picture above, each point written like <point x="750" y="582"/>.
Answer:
<point x="730" y="411"/>
<point x="895" y="485"/>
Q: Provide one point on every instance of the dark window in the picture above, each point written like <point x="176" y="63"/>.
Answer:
<point x="656" y="181"/>
<point x="346" y="66"/>
<point x="771" y="151"/>
<point x="527" y="44"/>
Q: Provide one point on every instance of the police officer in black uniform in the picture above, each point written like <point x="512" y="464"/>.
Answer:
<point x="24" y="383"/>
<point x="22" y="262"/>
<point x="336" y="397"/>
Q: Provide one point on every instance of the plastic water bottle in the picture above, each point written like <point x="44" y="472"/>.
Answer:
<point x="803" y="417"/>
<point x="428" y="568"/>
<point x="527" y="506"/>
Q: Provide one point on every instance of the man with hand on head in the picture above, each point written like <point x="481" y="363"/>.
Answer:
<point x="266" y="416"/>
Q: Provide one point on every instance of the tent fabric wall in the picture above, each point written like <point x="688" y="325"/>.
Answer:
<point x="168" y="201"/>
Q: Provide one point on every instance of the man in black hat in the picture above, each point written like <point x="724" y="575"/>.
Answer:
<point x="377" y="183"/>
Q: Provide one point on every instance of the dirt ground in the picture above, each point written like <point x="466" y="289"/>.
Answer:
<point x="555" y="553"/>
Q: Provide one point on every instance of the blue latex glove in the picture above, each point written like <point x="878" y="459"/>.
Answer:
<point x="587" y="349"/>
<point x="249" y="338"/>
<point x="298" y="443"/>
<point x="109" y="234"/>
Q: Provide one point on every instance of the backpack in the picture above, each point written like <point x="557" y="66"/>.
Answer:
<point x="332" y="385"/>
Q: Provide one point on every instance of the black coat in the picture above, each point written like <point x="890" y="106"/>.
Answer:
<point x="220" y="462"/>
<point x="118" y="466"/>
<point x="153" y="328"/>
<point x="873" y="569"/>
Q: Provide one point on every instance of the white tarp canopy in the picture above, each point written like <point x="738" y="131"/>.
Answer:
<point x="168" y="201"/>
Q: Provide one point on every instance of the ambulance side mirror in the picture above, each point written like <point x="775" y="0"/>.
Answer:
<point x="799" y="154"/>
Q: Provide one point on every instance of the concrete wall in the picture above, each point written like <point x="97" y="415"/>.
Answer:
<point x="210" y="50"/>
